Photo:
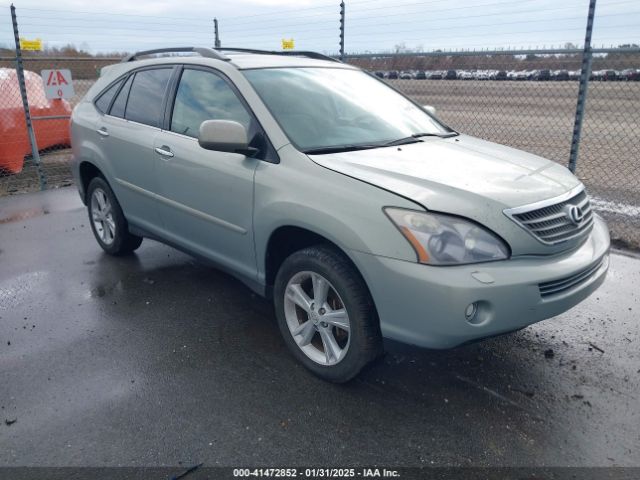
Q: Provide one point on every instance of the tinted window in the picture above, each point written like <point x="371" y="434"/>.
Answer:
<point x="205" y="96"/>
<point x="104" y="100"/>
<point x="117" y="109"/>
<point x="145" y="99"/>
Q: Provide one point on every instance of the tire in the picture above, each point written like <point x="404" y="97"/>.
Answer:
<point x="312" y="271"/>
<point x="107" y="220"/>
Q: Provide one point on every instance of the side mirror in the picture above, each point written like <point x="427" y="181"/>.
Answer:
<point x="430" y="109"/>
<point x="225" y="136"/>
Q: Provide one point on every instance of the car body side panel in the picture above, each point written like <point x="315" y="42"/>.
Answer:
<point x="298" y="192"/>
<point x="129" y="148"/>
<point x="85" y="143"/>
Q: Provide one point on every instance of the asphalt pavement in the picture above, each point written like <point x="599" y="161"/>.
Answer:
<point x="158" y="360"/>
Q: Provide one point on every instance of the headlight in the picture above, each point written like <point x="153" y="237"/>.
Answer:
<point x="447" y="240"/>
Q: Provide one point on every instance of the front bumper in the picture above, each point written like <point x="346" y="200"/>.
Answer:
<point x="425" y="305"/>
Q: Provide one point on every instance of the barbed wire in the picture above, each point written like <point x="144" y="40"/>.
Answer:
<point x="313" y="29"/>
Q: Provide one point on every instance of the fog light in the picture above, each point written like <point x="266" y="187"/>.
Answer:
<point x="471" y="311"/>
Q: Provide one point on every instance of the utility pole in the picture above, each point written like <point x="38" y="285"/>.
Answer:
<point x="216" y="32"/>
<point x="585" y="73"/>
<point x="35" y="154"/>
<point x="342" y="30"/>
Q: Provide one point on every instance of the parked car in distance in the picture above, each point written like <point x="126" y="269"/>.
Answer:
<point x="499" y="75"/>
<point x="522" y="75"/>
<point x="630" y="75"/>
<point x="392" y="75"/>
<point x="406" y="75"/>
<point x="379" y="74"/>
<point x="421" y="75"/>
<point x="451" y="75"/>
<point x="609" y="76"/>
<point x="560" y="75"/>
<point x="358" y="212"/>
<point x="541" y="75"/>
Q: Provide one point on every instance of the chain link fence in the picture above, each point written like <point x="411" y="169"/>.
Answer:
<point x="20" y="170"/>
<point x="609" y="161"/>
<point x="525" y="99"/>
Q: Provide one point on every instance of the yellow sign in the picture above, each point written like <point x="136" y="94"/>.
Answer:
<point x="288" y="44"/>
<point x="34" y="45"/>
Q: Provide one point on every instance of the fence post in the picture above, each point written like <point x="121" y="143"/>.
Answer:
<point x="25" y="102"/>
<point x="217" y="35"/>
<point x="342" y="30"/>
<point x="582" y="89"/>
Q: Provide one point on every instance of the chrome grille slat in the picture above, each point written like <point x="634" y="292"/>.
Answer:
<point x="550" y="223"/>
<point x="555" y="287"/>
<point x="570" y="229"/>
<point x="545" y="219"/>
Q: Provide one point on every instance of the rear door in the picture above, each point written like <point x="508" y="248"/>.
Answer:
<point x="207" y="195"/>
<point x="128" y="134"/>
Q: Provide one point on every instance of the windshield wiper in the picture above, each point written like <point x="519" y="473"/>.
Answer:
<point x="414" y="138"/>
<point x="339" y="149"/>
<point x="441" y="135"/>
<point x="403" y="141"/>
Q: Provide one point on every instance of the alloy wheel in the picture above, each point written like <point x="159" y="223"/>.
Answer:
<point x="102" y="216"/>
<point x="317" y="318"/>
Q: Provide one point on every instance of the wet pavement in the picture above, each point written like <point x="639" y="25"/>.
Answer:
<point x="156" y="359"/>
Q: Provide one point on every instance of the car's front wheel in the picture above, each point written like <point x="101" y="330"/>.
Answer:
<point x="326" y="314"/>
<point x="107" y="220"/>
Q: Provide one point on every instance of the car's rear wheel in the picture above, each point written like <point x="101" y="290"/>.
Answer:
<point x="107" y="220"/>
<point x="326" y="314"/>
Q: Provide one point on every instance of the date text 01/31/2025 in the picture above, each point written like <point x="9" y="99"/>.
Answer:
<point x="315" y="472"/>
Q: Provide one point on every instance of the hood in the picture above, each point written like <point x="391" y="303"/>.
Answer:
<point x="476" y="170"/>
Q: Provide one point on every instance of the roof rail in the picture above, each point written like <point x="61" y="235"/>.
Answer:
<point x="291" y="53"/>
<point x="203" y="51"/>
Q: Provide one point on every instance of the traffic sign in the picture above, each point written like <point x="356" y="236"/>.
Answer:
<point x="33" y="45"/>
<point x="288" y="44"/>
<point x="57" y="83"/>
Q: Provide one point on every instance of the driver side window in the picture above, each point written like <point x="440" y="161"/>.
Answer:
<point x="204" y="96"/>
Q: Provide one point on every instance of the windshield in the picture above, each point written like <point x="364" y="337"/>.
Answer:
<point x="329" y="108"/>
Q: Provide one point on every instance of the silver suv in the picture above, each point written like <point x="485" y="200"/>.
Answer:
<point x="359" y="212"/>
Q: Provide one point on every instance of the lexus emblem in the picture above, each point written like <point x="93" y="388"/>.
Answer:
<point x="575" y="214"/>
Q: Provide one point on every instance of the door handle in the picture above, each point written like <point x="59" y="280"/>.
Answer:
<point x="103" y="131"/>
<point x="164" y="151"/>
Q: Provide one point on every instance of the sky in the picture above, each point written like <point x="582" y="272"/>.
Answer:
<point x="371" y="25"/>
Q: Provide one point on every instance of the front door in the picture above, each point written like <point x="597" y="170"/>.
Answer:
<point x="207" y="196"/>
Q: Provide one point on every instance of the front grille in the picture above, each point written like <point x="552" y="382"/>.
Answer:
<point x="556" y="287"/>
<point x="552" y="224"/>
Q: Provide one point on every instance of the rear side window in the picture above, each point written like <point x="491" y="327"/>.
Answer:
<point x="120" y="103"/>
<point x="104" y="100"/>
<point x="145" y="99"/>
